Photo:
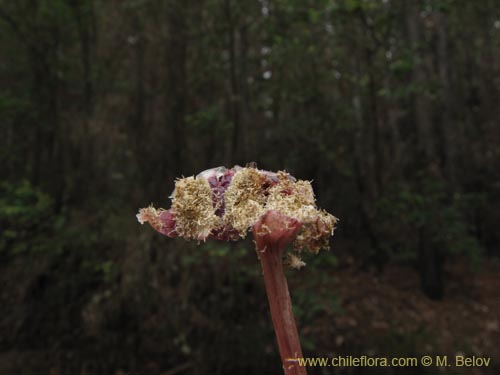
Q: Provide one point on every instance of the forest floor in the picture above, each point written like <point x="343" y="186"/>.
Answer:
<point x="387" y="313"/>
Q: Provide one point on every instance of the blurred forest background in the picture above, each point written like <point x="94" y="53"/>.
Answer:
<point x="389" y="107"/>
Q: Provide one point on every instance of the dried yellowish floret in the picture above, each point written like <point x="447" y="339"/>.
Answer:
<point x="289" y="203"/>
<point x="305" y="191"/>
<point x="194" y="210"/>
<point x="294" y="261"/>
<point x="244" y="200"/>
<point x="315" y="232"/>
<point x="150" y="215"/>
<point x="296" y="199"/>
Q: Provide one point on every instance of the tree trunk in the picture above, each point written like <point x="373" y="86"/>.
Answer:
<point x="422" y="106"/>
<point x="447" y="133"/>
<point x="176" y="86"/>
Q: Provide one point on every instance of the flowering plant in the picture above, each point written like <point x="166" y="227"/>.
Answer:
<point x="225" y="204"/>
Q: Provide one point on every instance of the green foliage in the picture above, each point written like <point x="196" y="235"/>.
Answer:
<point x="27" y="220"/>
<point x="31" y="226"/>
<point x="12" y="106"/>
<point x="426" y="208"/>
<point x="314" y="300"/>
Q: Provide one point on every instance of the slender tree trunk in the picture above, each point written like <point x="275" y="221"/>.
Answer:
<point x="364" y="172"/>
<point x="236" y="151"/>
<point x="431" y="266"/>
<point x="430" y="261"/>
<point x="422" y="108"/>
<point x="447" y="131"/>
<point x="176" y="85"/>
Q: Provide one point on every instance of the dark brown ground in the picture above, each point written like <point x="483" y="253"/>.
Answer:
<point x="386" y="315"/>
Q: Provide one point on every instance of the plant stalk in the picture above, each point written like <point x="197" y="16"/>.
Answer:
<point x="281" y="310"/>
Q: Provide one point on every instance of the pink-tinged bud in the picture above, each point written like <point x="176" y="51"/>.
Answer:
<point x="161" y="220"/>
<point x="219" y="180"/>
<point x="275" y="231"/>
<point x="167" y="219"/>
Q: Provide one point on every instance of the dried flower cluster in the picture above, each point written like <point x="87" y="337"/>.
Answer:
<point x="225" y="204"/>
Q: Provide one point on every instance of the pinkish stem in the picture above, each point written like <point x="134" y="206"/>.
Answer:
<point x="281" y="310"/>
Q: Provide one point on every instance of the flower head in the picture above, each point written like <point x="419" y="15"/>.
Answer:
<point x="226" y="203"/>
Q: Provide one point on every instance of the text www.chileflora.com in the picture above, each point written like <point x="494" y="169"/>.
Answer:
<point x="369" y="361"/>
